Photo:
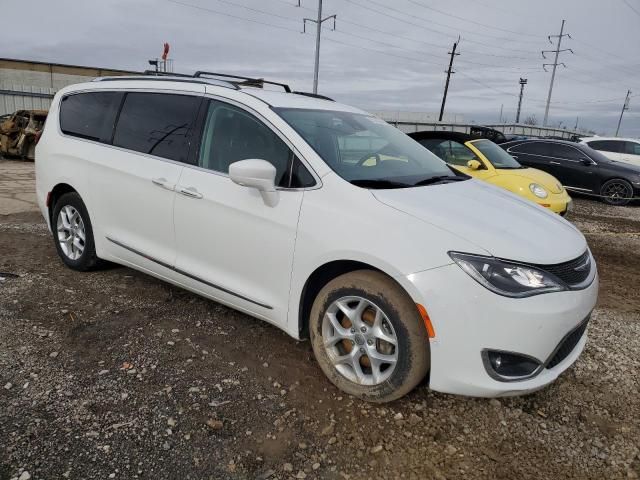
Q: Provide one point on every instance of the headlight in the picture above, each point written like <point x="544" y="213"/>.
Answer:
<point x="506" y="278"/>
<point x="538" y="191"/>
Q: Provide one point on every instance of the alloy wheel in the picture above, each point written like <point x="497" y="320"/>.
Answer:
<point x="71" y="232"/>
<point x="360" y="341"/>
<point x="617" y="192"/>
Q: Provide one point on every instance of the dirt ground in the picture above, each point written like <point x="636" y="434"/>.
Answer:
<point x="114" y="374"/>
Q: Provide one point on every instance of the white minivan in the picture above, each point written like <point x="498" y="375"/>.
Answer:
<point x="323" y="220"/>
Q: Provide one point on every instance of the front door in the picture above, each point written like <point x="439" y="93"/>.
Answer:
<point x="573" y="168"/>
<point x="231" y="245"/>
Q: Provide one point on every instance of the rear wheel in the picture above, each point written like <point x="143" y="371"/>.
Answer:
<point x="73" y="234"/>
<point x="368" y="336"/>
<point x="616" y="192"/>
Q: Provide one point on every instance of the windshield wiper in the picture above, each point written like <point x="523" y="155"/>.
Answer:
<point x="380" y="183"/>
<point x="439" y="179"/>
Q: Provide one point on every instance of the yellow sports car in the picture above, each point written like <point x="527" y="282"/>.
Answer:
<point x="483" y="159"/>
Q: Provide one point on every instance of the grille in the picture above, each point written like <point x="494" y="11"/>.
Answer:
<point x="567" y="271"/>
<point x="568" y="344"/>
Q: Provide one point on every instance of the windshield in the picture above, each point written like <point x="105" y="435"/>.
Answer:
<point x="367" y="151"/>
<point x="496" y="155"/>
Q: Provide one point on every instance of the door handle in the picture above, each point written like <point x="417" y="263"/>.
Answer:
<point x="190" y="192"/>
<point x="555" y="163"/>
<point x="162" y="182"/>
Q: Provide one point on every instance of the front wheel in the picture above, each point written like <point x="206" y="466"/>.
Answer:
<point x="616" y="192"/>
<point x="73" y="234"/>
<point x="368" y="336"/>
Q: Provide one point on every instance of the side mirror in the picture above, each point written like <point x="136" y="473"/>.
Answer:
<point x="258" y="174"/>
<point x="587" y="162"/>
<point x="474" y="164"/>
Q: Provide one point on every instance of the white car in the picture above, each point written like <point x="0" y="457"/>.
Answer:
<point x="619" y="149"/>
<point x="324" y="221"/>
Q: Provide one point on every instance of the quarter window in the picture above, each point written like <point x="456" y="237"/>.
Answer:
<point x="90" y="115"/>
<point x="231" y="134"/>
<point x="157" y="123"/>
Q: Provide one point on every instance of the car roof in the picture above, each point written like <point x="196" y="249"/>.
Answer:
<point x="444" y="135"/>
<point x="276" y="99"/>
<point x="595" y="139"/>
<point x="548" y="140"/>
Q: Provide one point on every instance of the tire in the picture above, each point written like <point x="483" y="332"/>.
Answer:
<point x="616" y="192"/>
<point x="77" y="254"/>
<point x="369" y="292"/>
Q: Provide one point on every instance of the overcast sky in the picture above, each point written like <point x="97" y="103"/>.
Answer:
<point x="383" y="55"/>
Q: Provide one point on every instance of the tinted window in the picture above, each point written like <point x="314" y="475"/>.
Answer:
<point x="607" y="145"/>
<point x="566" y="152"/>
<point x="231" y="134"/>
<point x="632" y="148"/>
<point x="533" y="148"/>
<point x="300" y="176"/>
<point x="157" y="123"/>
<point x="90" y="115"/>
<point x="454" y="153"/>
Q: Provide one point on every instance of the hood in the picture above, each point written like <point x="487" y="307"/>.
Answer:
<point x="533" y="175"/>
<point x="494" y="219"/>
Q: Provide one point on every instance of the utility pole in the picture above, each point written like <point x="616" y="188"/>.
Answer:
<point x="319" y="21"/>
<point x="625" y="106"/>
<point x="555" y="63"/>
<point x="576" y="127"/>
<point x="449" y="71"/>
<point x="501" y="108"/>
<point x="523" y="82"/>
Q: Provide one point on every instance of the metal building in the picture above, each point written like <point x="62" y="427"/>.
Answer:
<point x="25" y="84"/>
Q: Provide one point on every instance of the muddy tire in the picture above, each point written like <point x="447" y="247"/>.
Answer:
<point x="73" y="233"/>
<point x="368" y="336"/>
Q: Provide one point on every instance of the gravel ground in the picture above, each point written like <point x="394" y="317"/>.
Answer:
<point x="114" y="374"/>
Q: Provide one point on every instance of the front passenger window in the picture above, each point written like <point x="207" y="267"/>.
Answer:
<point x="231" y="134"/>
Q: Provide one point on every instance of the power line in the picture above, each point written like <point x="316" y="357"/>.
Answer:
<point x="632" y="7"/>
<point x="224" y="14"/>
<point x="423" y="27"/>
<point x="473" y="21"/>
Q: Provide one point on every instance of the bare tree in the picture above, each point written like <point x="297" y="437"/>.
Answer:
<point x="531" y="120"/>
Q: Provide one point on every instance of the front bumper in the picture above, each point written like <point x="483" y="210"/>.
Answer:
<point x="559" y="203"/>
<point x="468" y="319"/>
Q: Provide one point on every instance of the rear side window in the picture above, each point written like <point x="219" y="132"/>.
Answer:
<point x="533" y="148"/>
<point x="566" y="152"/>
<point x="90" y="115"/>
<point x="607" y="145"/>
<point x="157" y="124"/>
<point x="632" y="148"/>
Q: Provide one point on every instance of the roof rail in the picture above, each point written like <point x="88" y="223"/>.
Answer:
<point x="170" y="78"/>
<point x="314" y="95"/>
<point x="158" y="73"/>
<point x="220" y="79"/>
<point x="242" y="81"/>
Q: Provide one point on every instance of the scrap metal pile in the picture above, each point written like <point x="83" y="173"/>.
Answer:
<point x="19" y="132"/>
